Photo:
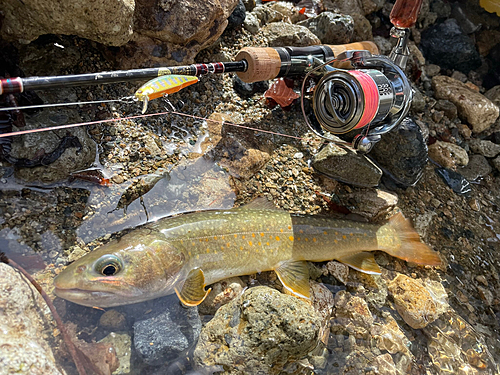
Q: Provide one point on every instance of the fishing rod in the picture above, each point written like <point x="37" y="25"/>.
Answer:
<point x="252" y="64"/>
<point x="358" y="95"/>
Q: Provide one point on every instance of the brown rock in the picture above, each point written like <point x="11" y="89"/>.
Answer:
<point x="417" y="304"/>
<point x="222" y="292"/>
<point x="478" y="110"/>
<point x="281" y="34"/>
<point x="449" y="155"/>
<point x="352" y="313"/>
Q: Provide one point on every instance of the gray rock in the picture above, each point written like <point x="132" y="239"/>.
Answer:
<point x="384" y="45"/>
<point x="485" y="148"/>
<point x="281" y="34"/>
<point x="238" y="16"/>
<point x="368" y="202"/>
<point x="496" y="163"/>
<point x="472" y="106"/>
<point x="449" y="109"/>
<point x="402" y="154"/>
<point x="251" y="23"/>
<point x="249" y="5"/>
<point x="23" y="315"/>
<point x="258" y="332"/>
<point x="478" y="167"/>
<point x="446" y="45"/>
<point x="418" y="102"/>
<point x="346" y="166"/>
<point x="331" y="28"/>
<point x="267" y="15"/>
<point x="494" y="95"/>
<point x="108" y="22"/>
<point x="170" y="330"/>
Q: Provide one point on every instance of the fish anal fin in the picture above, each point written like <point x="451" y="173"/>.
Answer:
<point x="193" y="290"/>
<point x="294" y="275"/>
<point x="362" y="261"/>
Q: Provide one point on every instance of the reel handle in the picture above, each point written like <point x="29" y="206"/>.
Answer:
<point x="404" y="13"/>
<point x="265" y="63"/>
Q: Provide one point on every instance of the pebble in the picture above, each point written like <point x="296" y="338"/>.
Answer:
<point x="448" y="155"/>
<point x="122" y="343"/>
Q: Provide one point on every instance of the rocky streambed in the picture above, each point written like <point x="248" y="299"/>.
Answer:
<point x="409" y="320"/>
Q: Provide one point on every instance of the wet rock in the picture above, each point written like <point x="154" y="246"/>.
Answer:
<point x="454" y="180"/>
<point x="486" y="148"/>
<point x="107" y="22"/>
<point x="449" y="109"/>
<point x="237" y="17"/>
<point x="122" y="344"/>
<point x="242" y="162"/>
<point x="112" y="320"/>
<point x="281" y="34"/>
<point x="331" y="28"/>
<point x="338" y="270"/>
<point x="448" y="155"/>
<point x="369" y="203"/>
<point x="169" y="331"/>
<point x="323" y="302"/>
<point x="445" y="44"/>
<point x="403" y="153"/>
<point x="24" y="349"/>
<point x="384" y="364"/>
<point x="478" y="167"/>
<point x="351" y="314"/>
<point x="347" y="166"/>
<point x="259" y="332"/>
<point x="222" y="293"/>
<point x="419" y="303"/>
<point x="472" y="106"/>
<point x="390" y="337"/>
<point x="462" y="17"/>
<point x="454" y="346"/>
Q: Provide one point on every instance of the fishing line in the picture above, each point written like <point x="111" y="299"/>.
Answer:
<point x="59" y="104"/>
<point x="68" y="126"/>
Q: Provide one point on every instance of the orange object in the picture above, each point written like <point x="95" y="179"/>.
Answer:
<point x="404" y="13"/>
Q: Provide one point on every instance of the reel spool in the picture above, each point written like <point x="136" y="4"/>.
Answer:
<point x="347" y="100"/>
<point x="372" y="99"/>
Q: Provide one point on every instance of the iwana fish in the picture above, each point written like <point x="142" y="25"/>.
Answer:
<point x="184" y="253"/>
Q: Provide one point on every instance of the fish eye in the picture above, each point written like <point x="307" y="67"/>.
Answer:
<point x="108" y="265"/>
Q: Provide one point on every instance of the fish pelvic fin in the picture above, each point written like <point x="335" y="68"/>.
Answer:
<point x="399" y="239"/>
<point x="294" y="275"/>
<point x="193" y="290"/>
<point x="363" y="262"/>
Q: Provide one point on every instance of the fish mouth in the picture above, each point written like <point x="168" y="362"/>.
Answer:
<point x="83" y="297"/>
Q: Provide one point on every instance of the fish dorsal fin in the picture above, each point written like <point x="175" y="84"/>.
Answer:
<point x="363" y="262"/>
<point x="294" y="275"/>
<point x="260" y="203"/>
<point x="193" y="291"/>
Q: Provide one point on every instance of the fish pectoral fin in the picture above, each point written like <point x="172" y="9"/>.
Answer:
<point x="363" y="262"/>
<point x="193" y="290"/>
<point x="294" y="275"/>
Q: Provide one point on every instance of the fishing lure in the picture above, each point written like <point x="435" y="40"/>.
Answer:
<point x="162" y="86"/>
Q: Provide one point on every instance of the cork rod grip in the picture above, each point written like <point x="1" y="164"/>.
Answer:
<point x="264" y="63"/>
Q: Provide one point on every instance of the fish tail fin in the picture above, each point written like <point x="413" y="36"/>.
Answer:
<point x="399" y="239"/>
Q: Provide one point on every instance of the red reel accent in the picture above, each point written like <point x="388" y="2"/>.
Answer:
<point x="371" y="97"/>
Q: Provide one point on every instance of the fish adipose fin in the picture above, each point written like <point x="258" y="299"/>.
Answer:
<point x="294" y="275"/>
<point x="363" y="262"/>
<point x="193" y="291"/>
<point x="399" y="239"/>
